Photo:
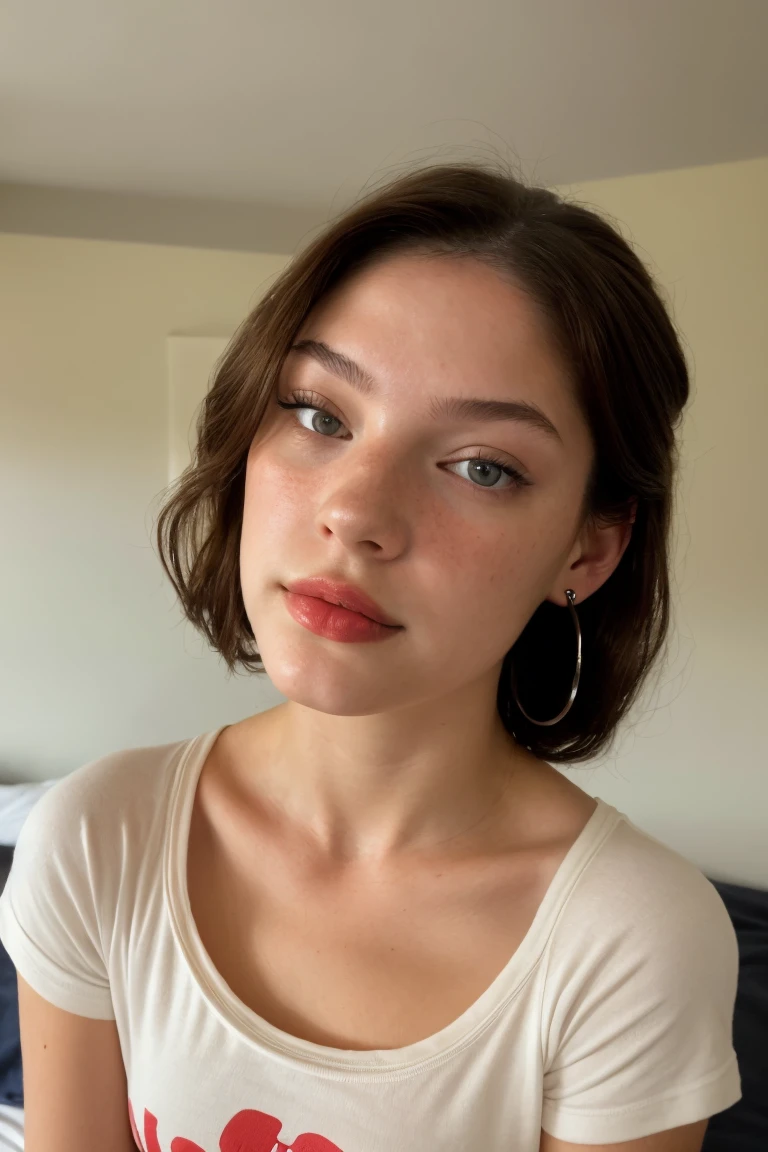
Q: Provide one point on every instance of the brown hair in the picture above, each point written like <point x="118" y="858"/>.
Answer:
<point x="630" y="377"/>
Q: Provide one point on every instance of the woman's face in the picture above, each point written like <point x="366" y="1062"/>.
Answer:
<point x="380" y="490"/>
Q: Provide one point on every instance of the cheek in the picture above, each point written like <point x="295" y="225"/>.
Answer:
<point x="469" y="569"/>
<point x="489" y="574"/>
<point x="276" y="496"/>
<point x="269" y="506"/>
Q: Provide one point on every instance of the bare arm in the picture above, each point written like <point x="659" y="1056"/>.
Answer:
<point x="75" y="1093"/>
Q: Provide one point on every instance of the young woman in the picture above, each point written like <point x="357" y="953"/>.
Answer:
<point x="431" y="498"/>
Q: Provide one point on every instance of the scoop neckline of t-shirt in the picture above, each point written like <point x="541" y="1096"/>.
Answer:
<point x="353" y="1063"/>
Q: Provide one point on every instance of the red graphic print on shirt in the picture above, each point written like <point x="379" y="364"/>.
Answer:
<point x="247" y="1131"/>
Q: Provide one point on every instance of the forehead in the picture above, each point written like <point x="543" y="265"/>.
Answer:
<point x="448" y="322"/>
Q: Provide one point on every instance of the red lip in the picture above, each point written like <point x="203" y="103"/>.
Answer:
<point x="335" y="592"/>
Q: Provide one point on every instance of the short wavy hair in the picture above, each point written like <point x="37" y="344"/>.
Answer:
<point x="607" y="319"/>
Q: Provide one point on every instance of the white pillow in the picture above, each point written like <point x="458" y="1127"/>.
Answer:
<point x="16" y="802"/>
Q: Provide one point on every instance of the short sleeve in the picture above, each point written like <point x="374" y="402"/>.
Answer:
<point x="639" y="999"/>
<point x="49" y="908"/>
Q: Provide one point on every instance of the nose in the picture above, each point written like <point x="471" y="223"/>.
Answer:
<point x="365" y="504"/>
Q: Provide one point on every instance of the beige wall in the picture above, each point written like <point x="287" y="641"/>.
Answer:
<point x="93" y="656"/>
<point x="694" y="769"/>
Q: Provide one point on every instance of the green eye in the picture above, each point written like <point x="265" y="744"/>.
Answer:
<point x="318" y="421"/>
<point x="484" y="470"/>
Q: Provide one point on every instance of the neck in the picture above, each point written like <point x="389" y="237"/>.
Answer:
<point x="368" y="787"/>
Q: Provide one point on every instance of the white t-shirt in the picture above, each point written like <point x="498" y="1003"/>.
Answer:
<point x="612" y="1020"/>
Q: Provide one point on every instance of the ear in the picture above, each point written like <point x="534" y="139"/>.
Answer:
<point x="595" y="554"/>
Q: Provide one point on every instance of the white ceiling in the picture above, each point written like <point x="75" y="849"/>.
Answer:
<point x="304" y="103"/>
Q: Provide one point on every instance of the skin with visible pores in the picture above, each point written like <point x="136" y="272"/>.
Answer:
<point x="387" y="501"/>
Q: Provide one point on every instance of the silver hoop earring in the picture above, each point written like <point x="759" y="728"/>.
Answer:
<point x="513" y="678"/>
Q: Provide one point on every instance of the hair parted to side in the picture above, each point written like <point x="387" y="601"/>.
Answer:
<point x="609" y="323"/>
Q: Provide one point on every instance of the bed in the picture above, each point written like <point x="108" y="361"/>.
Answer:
<point x="16" y="800"/>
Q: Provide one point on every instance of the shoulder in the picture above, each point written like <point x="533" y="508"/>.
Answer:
<point x="639" y="909"/>
<point x="107" y="791"/>
<point x="633" y="876"/>
<point x="640" y="978"/>
<point x="101" y="819"/>
<point x="77" y="862"/>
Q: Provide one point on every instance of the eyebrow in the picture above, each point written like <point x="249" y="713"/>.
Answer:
<point x="446" y="407"/>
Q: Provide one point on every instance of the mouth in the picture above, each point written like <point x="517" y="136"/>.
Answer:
<point x="344" y="595"/>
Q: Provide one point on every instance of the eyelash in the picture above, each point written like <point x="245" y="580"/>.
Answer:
<point x="301" y="400"/>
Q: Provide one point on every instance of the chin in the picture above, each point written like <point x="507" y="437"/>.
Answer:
<point x="332" y="699"/>
<point x="338" y="679"/>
